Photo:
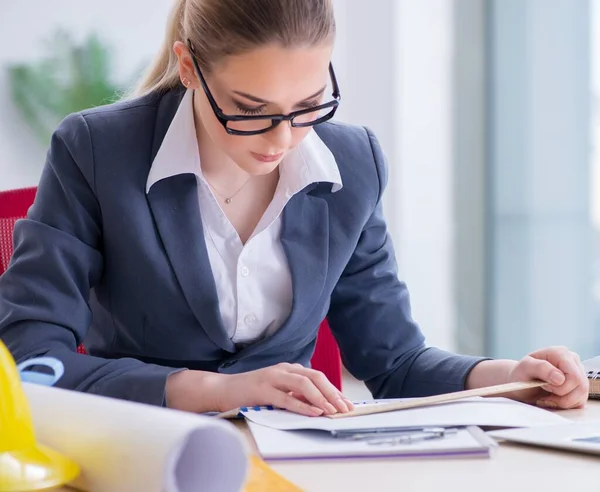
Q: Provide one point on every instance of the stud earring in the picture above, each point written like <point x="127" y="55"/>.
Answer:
<point x="185" y="82"/>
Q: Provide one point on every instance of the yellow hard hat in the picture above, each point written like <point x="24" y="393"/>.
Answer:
<point x="24" y="464"/>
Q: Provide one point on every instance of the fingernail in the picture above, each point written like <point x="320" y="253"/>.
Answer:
<point x="316" y="411"/>
<point x="557" y="378"/>
<point x="546" y="403"/>
<point x="342" y="407"/>
<point x="349" y="404"/>
<point x="330" y="408"/>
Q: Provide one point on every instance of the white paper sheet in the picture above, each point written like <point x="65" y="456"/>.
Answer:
<point x="576" y="436"/>
<point x="489" y="412"/>
<point x="125" y="446"/>
<point x="592" y="364"/>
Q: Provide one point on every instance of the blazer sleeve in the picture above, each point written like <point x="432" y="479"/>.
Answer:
<point x="57" y="260"/>
<point x="371" y="319"/>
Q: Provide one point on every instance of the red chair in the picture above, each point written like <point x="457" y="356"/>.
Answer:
<point x="14" y="205"/>
<point x="327" y="357"/>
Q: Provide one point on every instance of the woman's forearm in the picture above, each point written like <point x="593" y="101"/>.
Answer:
<point x="490" y="373"/>
<point x="193" y="391"/>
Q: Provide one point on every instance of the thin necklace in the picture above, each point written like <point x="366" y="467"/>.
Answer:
<point x="229" y="198"/>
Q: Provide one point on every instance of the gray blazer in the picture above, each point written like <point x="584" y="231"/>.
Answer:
<point x="100" y="262"/>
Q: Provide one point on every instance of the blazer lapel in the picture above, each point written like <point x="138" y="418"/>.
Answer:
<point x="305" y="240"/>
<point x="174" y="204"/>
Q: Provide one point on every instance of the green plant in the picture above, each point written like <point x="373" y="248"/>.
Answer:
<point x="72" y="77"/>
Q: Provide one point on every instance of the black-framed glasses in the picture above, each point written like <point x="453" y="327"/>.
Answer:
<point x="255" y="125"/>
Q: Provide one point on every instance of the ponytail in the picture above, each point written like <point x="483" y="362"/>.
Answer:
<point x="163" y="74"/>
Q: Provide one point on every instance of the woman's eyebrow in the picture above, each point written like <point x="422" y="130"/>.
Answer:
<point x="264" y="101"/>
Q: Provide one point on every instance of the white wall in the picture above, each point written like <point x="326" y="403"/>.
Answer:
<point x="393" y="60"/>
<point x="423" y="171"/>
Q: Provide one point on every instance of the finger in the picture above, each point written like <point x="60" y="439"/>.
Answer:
<point x="534" y="368"/>
<point x="586" y="381"/>
<point x="332" y="394"/>
<point x="551" y="354"/>
<point x="575" y="399"/>
<point x="574" y="376"/>
<point x="328" y="390"/>
<point x="561" y="358"/>
<point x="298" y="396"/>
<point x="284" y="400"/>
<point x="302" y="385"/>
<point x="569" y="364"/>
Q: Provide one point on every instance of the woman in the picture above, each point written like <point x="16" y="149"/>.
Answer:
<point x="195" y="236"/>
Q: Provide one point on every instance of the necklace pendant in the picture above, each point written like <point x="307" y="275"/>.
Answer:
<point x="228" y="200"/>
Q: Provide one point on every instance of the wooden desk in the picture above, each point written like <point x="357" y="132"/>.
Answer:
<point x="513" y="468"/>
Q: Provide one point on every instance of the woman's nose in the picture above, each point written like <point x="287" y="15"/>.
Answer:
<point x="280" y="137"/>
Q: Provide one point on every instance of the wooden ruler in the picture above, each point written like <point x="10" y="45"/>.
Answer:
<point x="432" y="400"/>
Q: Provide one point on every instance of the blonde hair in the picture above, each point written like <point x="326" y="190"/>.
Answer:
<point x="218" y="28"/>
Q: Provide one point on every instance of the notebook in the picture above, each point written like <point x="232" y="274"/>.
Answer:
<point x="286" y="445"/>
<point x="592" y="368"/>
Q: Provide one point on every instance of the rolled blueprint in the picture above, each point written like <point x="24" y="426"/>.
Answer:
<point x="126" y="446"/>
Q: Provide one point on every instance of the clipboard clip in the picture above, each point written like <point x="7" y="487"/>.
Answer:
<point x="394" y="436"/>
<point x="367" y="432"/>
<point x="410" y="438"/>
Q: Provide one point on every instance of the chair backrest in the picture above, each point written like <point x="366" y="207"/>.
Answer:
<point x="327" y="356"/>
<point x="13" y="206"/>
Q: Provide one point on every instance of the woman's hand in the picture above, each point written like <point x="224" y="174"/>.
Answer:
<point x="567" y="386"/>
<point x="289" y="386"/>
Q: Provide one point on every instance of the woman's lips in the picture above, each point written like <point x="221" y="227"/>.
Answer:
<point x="267" y="158"/>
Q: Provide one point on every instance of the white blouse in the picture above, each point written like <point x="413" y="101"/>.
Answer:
<point x="253" y="280"/>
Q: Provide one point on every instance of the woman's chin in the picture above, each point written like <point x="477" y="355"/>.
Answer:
<point x="255" y="167"/>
